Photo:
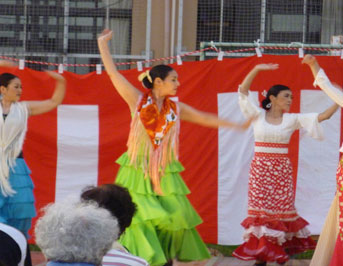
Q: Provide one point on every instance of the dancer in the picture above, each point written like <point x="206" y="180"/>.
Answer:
<point x="16" y="195"/>
<point x="330" y="243"/>
<point x="273" y="229"/>
<point x="164" y="225"/>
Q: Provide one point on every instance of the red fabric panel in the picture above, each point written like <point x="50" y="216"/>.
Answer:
<point x="200" y="84"/>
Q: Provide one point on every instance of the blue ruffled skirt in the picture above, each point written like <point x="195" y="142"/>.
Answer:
<point x="18" y="210"/>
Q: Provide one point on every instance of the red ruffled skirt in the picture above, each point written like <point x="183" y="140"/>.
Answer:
<point x="273" y="229"/>
<point x="337" y="256"/>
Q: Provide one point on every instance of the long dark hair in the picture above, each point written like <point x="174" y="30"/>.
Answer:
<point x="5" y="79"/>
<point x="159" y="71"/>
<point x="275" y="90"/>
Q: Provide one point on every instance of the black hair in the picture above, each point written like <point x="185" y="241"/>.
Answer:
<point x="159" y="71"/>
<point x="6" y="78"/>
<point x="116" y="199"/>
<point x="275" y="90"/>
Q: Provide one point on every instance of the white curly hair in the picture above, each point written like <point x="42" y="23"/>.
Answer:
<point x="76" y="232"/>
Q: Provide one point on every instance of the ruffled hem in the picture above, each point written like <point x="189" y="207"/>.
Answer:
<point x="261" y="249"/>
<point x="185" y="245"/>
<point x="280" y="236"/>
<point x="163" y="227"/>
<point x="136" y="181"/>
<point x="142" y="241"/>
<point x="298" y="245"/>
<point x="286" y="226"/>
<point x="18" y="210"/>
<point x="158" y="247"/>
<point x="337" y="256"/>
<point x="267" y="249"/>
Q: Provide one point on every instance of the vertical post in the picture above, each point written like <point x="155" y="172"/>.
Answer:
<point x="107" y="21"/>
<point x="148" y="32"/>
<point x="25" y="26"/>
<point x="65" y="31"/>
<point x="221" y="20"/>
<point x="172" y="31"/>
<point x="179" y="28"/>
<point x="304" y="21"/>
<point x="202" y="54"/>
<point x="166" y="28"/>
<point x="263" y="21"/>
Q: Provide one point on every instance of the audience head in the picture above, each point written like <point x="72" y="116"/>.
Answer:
<point x="115" y="199"/>
<point x="76" y="232"/>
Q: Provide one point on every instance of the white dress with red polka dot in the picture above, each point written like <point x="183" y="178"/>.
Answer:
<point x="273" y="229"/>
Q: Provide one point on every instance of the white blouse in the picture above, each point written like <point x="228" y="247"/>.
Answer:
<point x="333" y="92"/>
<point x="325" y="84"/>
<point x="266" y="132"/>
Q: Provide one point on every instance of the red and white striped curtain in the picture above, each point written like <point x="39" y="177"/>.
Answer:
<point x="77" y="144"/>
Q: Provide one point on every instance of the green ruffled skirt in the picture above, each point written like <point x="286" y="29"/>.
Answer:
<point x="164" y="226"/>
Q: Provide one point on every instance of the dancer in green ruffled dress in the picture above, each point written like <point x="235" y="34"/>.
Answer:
<point x="163" y="228"/>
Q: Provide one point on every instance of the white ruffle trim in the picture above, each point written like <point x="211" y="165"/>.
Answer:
<point x="281" y="236"/>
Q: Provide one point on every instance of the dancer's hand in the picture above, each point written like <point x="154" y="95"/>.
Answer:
<point x="55" y="76"/>
<point x="247" y="123"/>
<point x="309" y="59"/>
<point x="6" y="63"/>
<point x="105" y="36"/>
<point x="263" y="67"/>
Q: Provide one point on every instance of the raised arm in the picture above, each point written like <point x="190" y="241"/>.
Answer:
<point x="40" y="107"/>
<point x="333" y="91"/>
<point x="245" y="86"/>
<point x="327" y="113"/>
<point x="6" y="63"/>
<point x="205" y="119"/>
<point x="127" y="91"/>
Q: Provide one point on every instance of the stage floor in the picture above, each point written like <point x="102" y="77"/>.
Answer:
<point x="38" y="260"/>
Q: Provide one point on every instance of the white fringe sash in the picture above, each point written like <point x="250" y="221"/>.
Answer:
<point x="12" y="135"/>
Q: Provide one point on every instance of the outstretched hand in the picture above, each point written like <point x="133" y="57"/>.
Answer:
<point x="337" y="86"/>
<point x="105" y="36"/>
<point x="262" y="67"/>
<point x="247" y="123"/>
<point x="55" y="76"/>
<point x="309" y="59"/>
<point x="6" y="63"/>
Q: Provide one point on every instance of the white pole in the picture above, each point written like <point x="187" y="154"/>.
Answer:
<point x="172" y="38"/>
<point x="65" y="31"/>
<point x="107" y="21"/>
<point x="179" y="28"/>
<point x="25" y="26"/>
<point x="263" y="20"/>
<point x="166" y="28"/>
<point x="304" y="21"/>
<point x="221" y="20"/>
<point x="148" y="32"/>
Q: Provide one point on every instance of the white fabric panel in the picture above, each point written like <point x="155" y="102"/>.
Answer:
<point x="77" y="146"/>
<point x="317" y="163"/>
<point x="235" y="150"/>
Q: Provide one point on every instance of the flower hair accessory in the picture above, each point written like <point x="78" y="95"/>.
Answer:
<point x="264" y="93"/>
<point x="143" y="75"/>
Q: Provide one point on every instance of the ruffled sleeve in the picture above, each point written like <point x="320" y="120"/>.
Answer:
<point x="310" y="123"/>
<point x="325" y="84"/>
<point x="247" y="106"/>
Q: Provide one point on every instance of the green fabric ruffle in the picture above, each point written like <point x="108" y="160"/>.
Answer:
<point x="164" y="226"/>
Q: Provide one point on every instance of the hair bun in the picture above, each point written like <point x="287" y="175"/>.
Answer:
<point x="144" y="75"/>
